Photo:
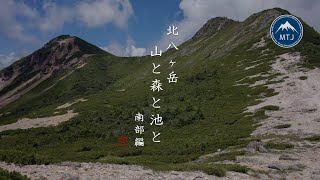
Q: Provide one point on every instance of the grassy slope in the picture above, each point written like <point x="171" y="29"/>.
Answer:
<point x="202" y="113"/>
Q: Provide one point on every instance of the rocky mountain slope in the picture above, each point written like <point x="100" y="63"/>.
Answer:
<point x="62" y="53"/>
<point x="241" y="104"/>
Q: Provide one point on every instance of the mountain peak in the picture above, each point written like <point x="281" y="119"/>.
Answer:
<point x="269" y="13"/>
<point x="68" y="40"/>
<point x="263" y="19"/>
<point x="258" y="21"/>
<point x="213" y="25"/>
<point x="61" y="37"/>
<point x="61" y="53"/>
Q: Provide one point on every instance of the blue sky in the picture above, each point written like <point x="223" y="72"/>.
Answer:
<point x="122" y="27"/>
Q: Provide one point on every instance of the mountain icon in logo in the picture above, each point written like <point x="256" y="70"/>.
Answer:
<point x="287" y="26"/>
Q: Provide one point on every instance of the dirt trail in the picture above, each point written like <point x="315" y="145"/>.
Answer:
<point x="27" y="123"/>
<point x="66" y="105"/>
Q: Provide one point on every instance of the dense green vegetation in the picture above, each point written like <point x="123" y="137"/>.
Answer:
<point x="202" y="113"/>
<point x="6" y="175"/>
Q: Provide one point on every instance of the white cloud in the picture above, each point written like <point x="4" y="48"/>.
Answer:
<point x="52" y="16"/>
<point x="128" y="50"/>
<point x="55" y="17"/>
<point x="134" y="51"/>
<point x="89" y="13"/>
<point x="6" y="60"/>
<point x="104" y="11"/>
<point x="9" y="26"/>
<point x="197" y="12"/>
<point x="114" y="48"/>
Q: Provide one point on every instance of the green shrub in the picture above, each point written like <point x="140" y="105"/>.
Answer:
<point x="271" y="108"/>
<point x="303" y="77"/>
<point x="313" y="138"/>
<point x="283" y="126"/>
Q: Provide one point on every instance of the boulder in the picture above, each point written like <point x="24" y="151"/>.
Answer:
<point x="288" y="157"/>
<point x="256" y="146"/>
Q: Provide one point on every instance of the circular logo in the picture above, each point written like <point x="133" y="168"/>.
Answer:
<point x="286" y="31"/>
